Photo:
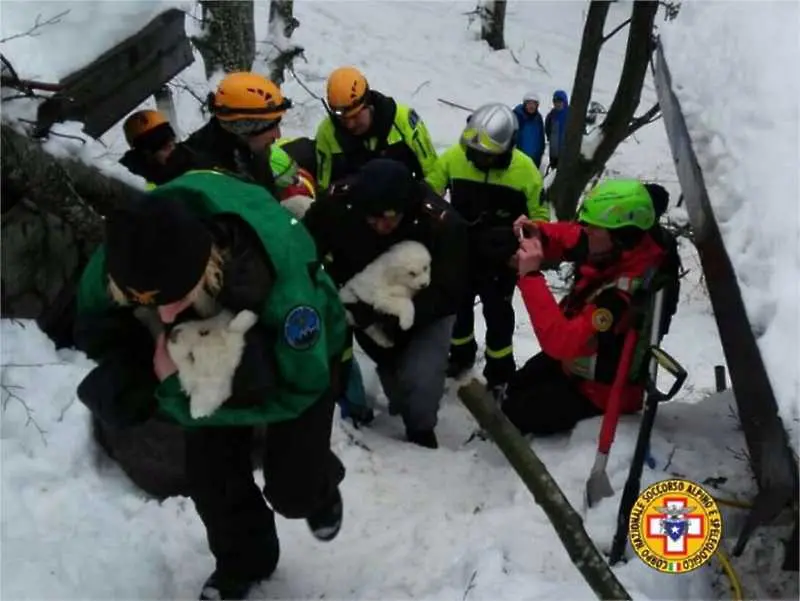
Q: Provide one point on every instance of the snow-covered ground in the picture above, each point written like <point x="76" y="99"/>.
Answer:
<point x="452" y="524"/>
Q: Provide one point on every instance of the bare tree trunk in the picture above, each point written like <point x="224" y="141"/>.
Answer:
<point x="565" y="520"/>
<point x="493" y="19"/>
<point x="564" y="186"/>
<point x="228" y="42"/>
<point x="574" y="170"/>
<point x="281" y="26"/>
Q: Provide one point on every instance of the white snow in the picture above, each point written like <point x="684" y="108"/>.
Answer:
<point x="452" y="524"/>
<point x="735" y="74"/>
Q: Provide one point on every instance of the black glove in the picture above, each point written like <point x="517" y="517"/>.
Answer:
<point x="256" y="376"/>
<point x="363" y="315"/>
<point x="119" y="393"/>
<point x="389" y="324"/>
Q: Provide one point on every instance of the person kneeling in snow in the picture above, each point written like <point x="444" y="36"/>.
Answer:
<point x="618" y="248"/>
<point x="358" y="220"/>
<point x="203" y="243"/>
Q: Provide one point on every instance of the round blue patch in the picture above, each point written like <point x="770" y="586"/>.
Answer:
<point x="302" y="327"/>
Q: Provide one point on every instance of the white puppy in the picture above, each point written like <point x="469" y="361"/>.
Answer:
<point x="388" y="285"/>
<point x="297" y="205"/>
<point x="207" y="353"/>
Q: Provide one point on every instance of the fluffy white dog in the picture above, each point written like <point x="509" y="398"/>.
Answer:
<point x="207" y="353"/>
<point x="297" y="205"/>
<point x="388" y="285"/>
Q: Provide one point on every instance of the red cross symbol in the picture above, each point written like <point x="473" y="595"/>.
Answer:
<point x="695" y="527"/>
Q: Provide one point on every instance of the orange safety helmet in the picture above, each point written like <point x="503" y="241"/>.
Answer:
<point x="347" y="91"/>
<point x="140" y="123"/>
<point x="248" y="96"/>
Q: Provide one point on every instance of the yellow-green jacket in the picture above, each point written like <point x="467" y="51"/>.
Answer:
<point x="490" y="198"/>
<point x="397" y="132"/>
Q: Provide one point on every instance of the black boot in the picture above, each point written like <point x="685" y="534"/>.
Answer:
<point x="456" y="369"/>
<point x="327" y="521"/>
<point x="423" y="438"/>
<point x="221" y="586"/>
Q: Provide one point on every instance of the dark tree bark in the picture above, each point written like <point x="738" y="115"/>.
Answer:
<point x="493" y="20"/>
<point x="281" y="26"/>
<point x="574" y="171"/>
<point x="228" y="42"/>
<point x="51" y="224"/>
<point x="565" y="520"/>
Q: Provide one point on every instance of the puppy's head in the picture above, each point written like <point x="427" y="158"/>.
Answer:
<point x="411" y="265"/>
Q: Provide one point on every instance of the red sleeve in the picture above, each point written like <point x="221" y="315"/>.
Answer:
<point x="560" y="237"/>
<point x="559" y="337"/>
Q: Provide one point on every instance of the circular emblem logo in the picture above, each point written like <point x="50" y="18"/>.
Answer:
<point x="602" y="320"/>
<point x="302" y="327"/>
<point x="675" y="526"/>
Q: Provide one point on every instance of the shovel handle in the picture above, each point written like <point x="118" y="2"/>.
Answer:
<point x="611" y="416"/>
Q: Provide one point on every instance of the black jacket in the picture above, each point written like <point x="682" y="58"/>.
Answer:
<point x="120" y="390"/>
<point x="211" y="147"/>
<point x="348" y="244"/>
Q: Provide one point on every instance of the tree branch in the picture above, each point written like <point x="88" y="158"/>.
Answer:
<point x="565" y="520"/>
<point x="652" y="114"/>
<point x="30" y="421"/>
<point x="33" y="31"/>
<point x="616" y="30"/>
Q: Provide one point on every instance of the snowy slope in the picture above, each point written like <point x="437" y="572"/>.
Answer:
<point x="450" y="524"/>
<point x="741" y="106"/>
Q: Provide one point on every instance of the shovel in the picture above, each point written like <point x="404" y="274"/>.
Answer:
<point x="598" y="486"/>
<point x="657" y="358"/>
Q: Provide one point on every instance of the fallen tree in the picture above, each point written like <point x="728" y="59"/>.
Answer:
<point x="51" y="223"/>
<point x="566" y="521"/>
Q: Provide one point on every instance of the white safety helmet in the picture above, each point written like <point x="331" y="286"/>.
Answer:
<point x="531" y="96"/>
<point x="491" y="129"/>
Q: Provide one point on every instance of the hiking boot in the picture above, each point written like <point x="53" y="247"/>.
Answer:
<point x="221" y="586"/>
<point x="456" y="369"/>
<point x="327" y="521"/>
<point x="423" y="438"/>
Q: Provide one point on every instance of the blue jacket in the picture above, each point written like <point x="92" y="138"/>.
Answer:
<point x="530" y="138"/>
<point x="555" y="125"/>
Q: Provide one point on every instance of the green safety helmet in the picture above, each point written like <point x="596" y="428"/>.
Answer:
<point x="618" y="203"/>
<point x="284" y="168"/>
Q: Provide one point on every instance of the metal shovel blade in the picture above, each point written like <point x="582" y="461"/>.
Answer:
<point x="598" y="486"/>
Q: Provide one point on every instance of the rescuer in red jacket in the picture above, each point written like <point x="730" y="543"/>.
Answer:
<point x="615" y="249"/>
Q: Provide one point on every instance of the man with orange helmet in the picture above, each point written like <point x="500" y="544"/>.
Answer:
<point x="364" y="124"/>
<point x="247" y="109"/>
<point x="152" y="141"/>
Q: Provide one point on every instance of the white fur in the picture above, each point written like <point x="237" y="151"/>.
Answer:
<point x="297" y="205"/>
<point x="207" y="353"/>
<point x="389" y="283"/>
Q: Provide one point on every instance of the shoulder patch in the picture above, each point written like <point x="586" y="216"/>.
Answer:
<point x="602" y="320"/>
<point x="302" y="327"/>
<point x="413" y="118"/>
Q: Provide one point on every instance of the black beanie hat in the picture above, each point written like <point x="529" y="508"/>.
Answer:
<point x="383" y="185"/>
<point x="157" y="250"/>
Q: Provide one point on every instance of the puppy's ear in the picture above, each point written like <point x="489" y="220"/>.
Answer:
<point x="243" y="321"/>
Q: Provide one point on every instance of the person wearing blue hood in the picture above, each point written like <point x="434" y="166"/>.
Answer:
<point x="555" y="126"/>
<point x="530" y="137"/>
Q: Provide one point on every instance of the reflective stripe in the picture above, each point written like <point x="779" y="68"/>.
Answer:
<point x="499" y="354"/>
<point x="586" y="367"/>
<point x="462" y="341"/>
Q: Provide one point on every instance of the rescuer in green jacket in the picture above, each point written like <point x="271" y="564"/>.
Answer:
<point x="207" y="241"/>
<point x="491" y="183"/>
<point x="364" y="124"/>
